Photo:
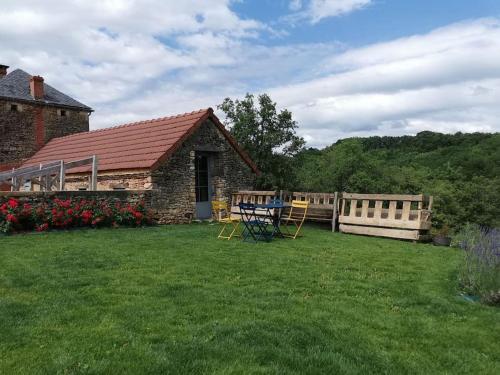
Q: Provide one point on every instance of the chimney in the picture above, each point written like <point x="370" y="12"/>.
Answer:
<point x="3" y="70"/>
<point x="36" y="87"/>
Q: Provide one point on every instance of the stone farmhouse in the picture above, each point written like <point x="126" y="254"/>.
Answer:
<point x="32" y="113"/>
<point x="188" y="159"/>
<point x="185" y="161"/>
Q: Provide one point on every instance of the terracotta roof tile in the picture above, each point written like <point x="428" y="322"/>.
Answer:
<point x="138" y="145"/>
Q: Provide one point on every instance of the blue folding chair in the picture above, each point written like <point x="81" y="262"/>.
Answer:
<point x="256" y="228"/>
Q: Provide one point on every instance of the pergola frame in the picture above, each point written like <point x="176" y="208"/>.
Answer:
<point x="49" y="176"/>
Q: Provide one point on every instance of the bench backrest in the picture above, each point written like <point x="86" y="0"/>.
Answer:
<point x="386" y="210"/>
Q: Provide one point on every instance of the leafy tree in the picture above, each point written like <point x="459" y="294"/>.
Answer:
<point x="267" y="135"/>
<point x="461" y="171"/>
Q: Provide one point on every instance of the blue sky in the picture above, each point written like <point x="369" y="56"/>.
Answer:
<point x="343" y="67"/>
<point x="381" y="20"/>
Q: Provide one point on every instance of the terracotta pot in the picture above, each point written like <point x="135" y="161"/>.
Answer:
<point x="440" y="240"/>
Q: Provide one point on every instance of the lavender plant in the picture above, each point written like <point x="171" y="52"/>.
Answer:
<point x="480" y="273"/>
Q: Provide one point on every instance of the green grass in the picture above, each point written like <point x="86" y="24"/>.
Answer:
<point x="177" y="300"/>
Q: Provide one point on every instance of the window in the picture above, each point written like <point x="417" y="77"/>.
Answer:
<point x="63" y="113"/>
<point x="14" y="108"/>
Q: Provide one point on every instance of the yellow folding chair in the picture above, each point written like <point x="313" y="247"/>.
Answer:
<point x="222" y="215"/>
<point x="295" y="219"/>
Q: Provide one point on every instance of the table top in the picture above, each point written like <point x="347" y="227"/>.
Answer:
<point x="270" y="205"/>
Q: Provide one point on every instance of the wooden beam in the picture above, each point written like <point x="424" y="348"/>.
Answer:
<point x="388" y="223"/>
<point x="385" y="197"/>
<point x="382" y="232"/>
<point x="79" y="163"/>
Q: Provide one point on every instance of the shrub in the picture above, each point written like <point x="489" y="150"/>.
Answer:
<point x="480" y="273"/>
<point x="55" y="213"/>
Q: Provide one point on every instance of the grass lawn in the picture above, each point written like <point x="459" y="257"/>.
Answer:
<point x="176" y="300"/>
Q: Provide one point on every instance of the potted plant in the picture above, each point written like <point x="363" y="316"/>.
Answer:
<point x="441" y="237"/>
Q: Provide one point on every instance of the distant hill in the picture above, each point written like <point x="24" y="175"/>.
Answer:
<point x="461" y="170"/>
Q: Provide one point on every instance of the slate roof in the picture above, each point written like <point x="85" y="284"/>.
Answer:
<point x="139" y="145"/>
<point x="16" y="85"/>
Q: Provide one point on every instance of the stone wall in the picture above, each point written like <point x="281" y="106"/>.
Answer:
<point x="175" y="180"/>
<point x="57" y="125"/>
<point x="131" y="196"/>
<point x="24" y="131"/>
<point x="130" y="180"/>
<point x="17" y="132"/>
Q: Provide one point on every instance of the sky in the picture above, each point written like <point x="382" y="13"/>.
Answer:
<point x="344" y="68"/>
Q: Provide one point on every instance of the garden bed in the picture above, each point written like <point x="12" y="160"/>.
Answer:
<point x="22" y="214"/>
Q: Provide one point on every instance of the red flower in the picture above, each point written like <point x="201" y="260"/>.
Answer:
<point x="86" y="216"/>
<point x="11" y="218"/>
<point x="43" y="227"/>
<point x="13" y="203"/>
<point x="70" y="211"/>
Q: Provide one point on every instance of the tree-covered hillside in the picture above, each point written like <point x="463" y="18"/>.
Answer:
<point x="461" y="171"/>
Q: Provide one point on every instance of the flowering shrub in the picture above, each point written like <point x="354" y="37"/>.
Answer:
<point x="480" y="274"/>
<point x="63" y="214"/>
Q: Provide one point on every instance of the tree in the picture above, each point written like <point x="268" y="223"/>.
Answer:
<point x="267" y="135"/>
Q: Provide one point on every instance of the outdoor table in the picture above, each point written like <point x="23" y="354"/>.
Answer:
<point x="275" y="218"/>
<point x="257" y="223"/>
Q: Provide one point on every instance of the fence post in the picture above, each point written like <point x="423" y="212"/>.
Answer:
<point x="94" y="172"/>
<point x="334" y="216"/>
<point x="62" y="175"/>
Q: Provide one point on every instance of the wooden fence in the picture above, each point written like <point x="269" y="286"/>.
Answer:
<point x="385" y="215"/>
<point x="49" y="176"/>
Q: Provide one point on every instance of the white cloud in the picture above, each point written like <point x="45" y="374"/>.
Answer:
<point x="319" y="9"/>
<point x="102" y="51"/>
<point x="316" y="10"/>
<point x="295" y="5"/>
<point x="446" y="80"/>
<point x="134" y="60"/>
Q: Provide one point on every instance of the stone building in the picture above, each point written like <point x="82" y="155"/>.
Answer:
<point x="32" y="113"/>
<point x="188" y="160"/>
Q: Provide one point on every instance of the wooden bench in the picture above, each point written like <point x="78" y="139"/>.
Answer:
<point x="251" y="196"/>
<point x="321" y="205"/>
<point x="386" y="215"/>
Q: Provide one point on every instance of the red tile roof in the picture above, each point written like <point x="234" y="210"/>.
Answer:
<point x="139" y="145"/>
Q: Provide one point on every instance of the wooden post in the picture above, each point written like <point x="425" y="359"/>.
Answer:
<point x="353" y="207"/>
<point x="12" y="187"/>
<point x="377" y="213"/>
<point x="282" y="202"/>
<point x="392" y="210"/>
<point x="334" y="215"/>
<point x="94" y="173"/>
<point x="41" y="179"/>
<point x="62" y="175"/>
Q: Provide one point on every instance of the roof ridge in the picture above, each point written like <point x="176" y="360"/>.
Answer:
<point x="15" y="85"/>
<point x="138" y="123"/>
